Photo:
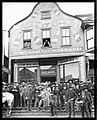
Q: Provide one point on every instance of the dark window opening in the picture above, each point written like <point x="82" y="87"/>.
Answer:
<point x="46" y="42"/>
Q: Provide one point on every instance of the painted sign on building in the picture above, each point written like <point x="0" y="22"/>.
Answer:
<point x="51" y="72"/>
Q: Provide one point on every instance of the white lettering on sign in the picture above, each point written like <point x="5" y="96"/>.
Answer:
<point x="48" y="72"/>
<point x="48" y="51"/>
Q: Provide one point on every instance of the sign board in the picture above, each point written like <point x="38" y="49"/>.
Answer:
<point x="51" y="72"/>
<point x="48" y="51"/>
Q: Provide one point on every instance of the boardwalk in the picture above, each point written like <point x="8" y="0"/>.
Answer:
<point x="43" y="114"/>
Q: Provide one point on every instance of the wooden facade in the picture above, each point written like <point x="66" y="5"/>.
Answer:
<point x="47" y="36"/>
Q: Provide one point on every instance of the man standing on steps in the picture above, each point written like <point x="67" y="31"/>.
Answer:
<point x="71" y="100"/>
<point x="29" y="93"/>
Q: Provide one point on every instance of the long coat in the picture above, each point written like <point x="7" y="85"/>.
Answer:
<point x="29" y="92"/>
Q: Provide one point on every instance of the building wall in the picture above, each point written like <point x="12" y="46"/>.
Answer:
<point x="35" y="24"/>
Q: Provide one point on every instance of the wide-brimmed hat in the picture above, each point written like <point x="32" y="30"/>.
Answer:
<point x="29" y="85"/>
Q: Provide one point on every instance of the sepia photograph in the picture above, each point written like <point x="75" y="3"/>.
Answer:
<point x="48" y="60"/>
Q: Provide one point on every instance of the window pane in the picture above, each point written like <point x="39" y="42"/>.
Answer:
<point x="68" y="40"/>
<point x="67" y="32"/>
<point x="44" y="34"/>
<point x="64" y="40"/>
<point x="48" y="34"/>
<point x="27" y="74"/>
<point x="63" y="32"/>
<point x="71" y="71"/>
<point x="89" y="34"/>
<point x="90" y="43"/>
<point x="27" y="35"/>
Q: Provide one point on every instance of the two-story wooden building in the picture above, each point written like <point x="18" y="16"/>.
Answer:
<point x="50" y="42"/>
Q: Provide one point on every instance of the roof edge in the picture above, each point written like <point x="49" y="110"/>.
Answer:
<point x="33" y="10"/>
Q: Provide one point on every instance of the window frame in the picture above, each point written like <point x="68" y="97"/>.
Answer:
<point x="65" y="27"/>
<point x="45" y="29"/>
<point x="47" y="11"/>
<point x="89" y="38"/>
<point x="28" y="40"/>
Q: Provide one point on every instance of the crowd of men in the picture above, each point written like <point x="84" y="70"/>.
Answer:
<point x="70" y="96"/>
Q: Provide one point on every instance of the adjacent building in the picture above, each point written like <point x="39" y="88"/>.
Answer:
<point x="50" y="44"/>
<point x="5" y="59"/>
<point x="88" y="24"/>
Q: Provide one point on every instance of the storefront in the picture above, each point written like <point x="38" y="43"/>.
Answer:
<point x="49" y="69"/>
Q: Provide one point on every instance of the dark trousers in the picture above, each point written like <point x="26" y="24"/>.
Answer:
<point x="90" y="108"/>
<point x="61" y="100"/>
<point x="85" y="110"/>
<point x="29" y="104"/>
<point x="71" y="106"/>
<point x="53" y="109"/>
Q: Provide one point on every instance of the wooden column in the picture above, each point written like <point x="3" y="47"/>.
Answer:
<point x="64" y="72"/>
<point x="58" y="74"/>
<point x="15" y="73"/>
<point x="82" y="68"/>
<point x="9" y="75"/>
<point x="38" y="74"/>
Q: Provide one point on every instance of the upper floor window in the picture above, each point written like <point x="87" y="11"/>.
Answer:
<point x="46" y="42"/>
<point x="65" y="36"/>
<point x="89" y="38"/>
<point x="46" y="14"/>
<point x="27" y="39"/>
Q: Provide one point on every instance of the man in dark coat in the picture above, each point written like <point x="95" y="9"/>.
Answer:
<point x="71" y="100"/>
<point x="90" y="101"/>
<point x="29" y="94"/>
<point x="53" y="104"/>
<point x="56" y="95"/>
<point x="84" y="104"/>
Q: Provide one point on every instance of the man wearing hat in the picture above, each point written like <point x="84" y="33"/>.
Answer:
<point x="29" y="95"/>
<point x="53" y="104"/>
<point x="56" y="95"/>
<point x="71" y="97"/>
<point x="89" y="101"/>
<point x="84" y="106"/>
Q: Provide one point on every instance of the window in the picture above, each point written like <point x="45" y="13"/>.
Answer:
<point x="65" y="36"/>
<point x="89" y="37"/>
<point x="46" y="38"/>
<point x="71" y="71"/>
<point x="27" y="39"/>
<point x="46" y="14"/>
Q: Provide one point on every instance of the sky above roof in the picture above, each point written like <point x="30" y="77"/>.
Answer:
<point x="16" y="11"/>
